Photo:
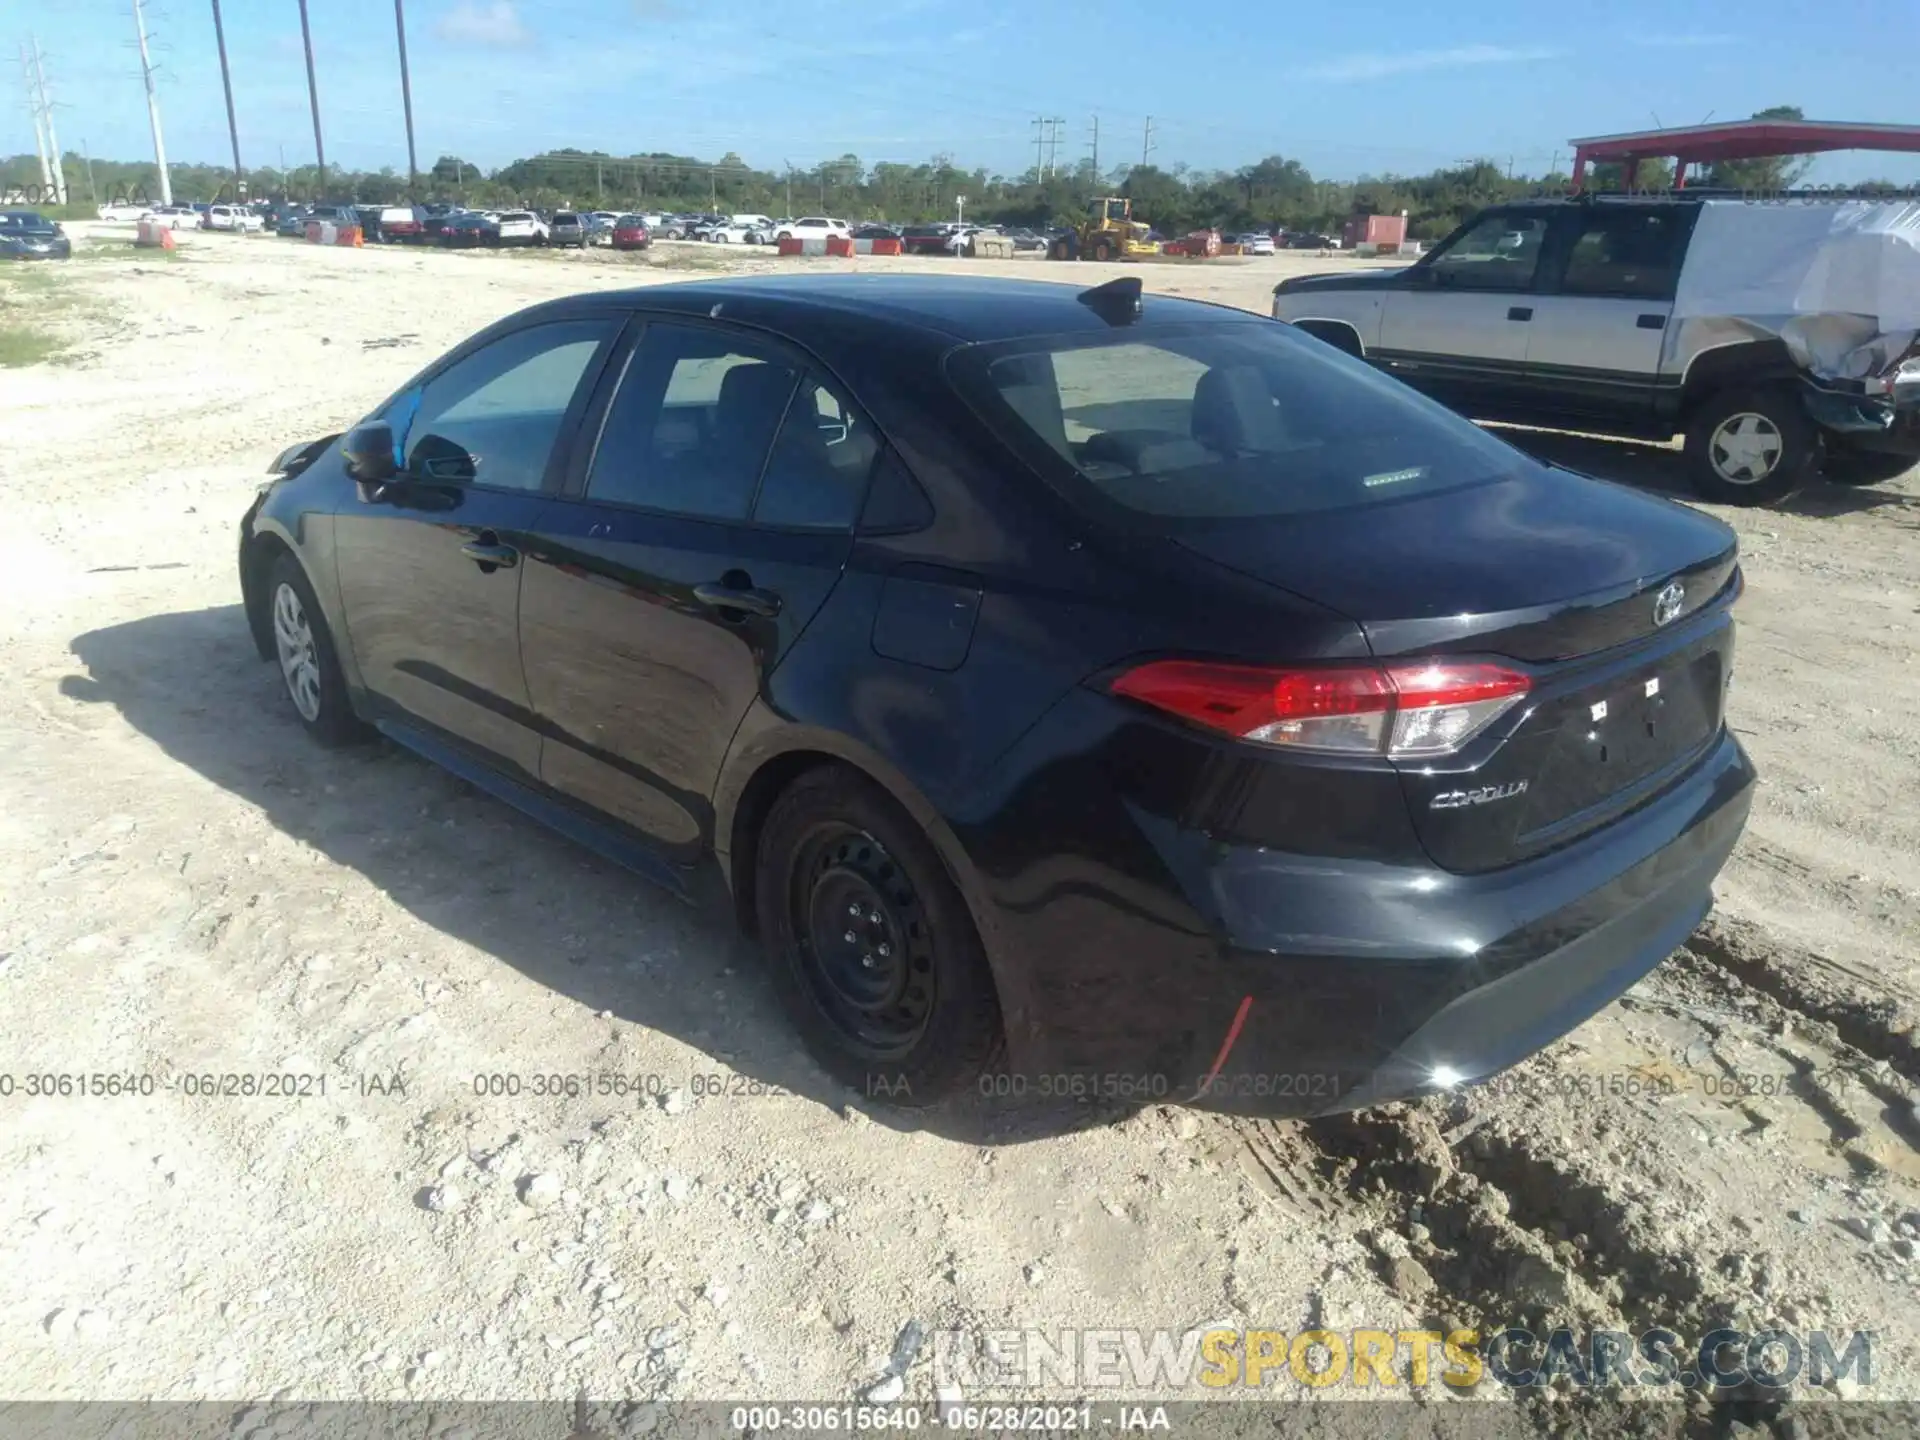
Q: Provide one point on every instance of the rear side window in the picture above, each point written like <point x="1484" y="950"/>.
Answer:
<point x="691" y="426"/>
<point x="1221" y="422"/>
<point x="1625" y="251"/>
<point x="816" y="477"/>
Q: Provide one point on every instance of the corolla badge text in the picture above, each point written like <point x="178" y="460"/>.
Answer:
<point x="1485" y="795"/>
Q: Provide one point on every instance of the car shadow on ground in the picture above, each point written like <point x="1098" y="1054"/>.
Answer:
<point x="1661" y="469"/>
<point x="478" y="871"/>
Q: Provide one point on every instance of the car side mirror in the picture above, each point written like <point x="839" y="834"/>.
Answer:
<point x="368" y="451"/>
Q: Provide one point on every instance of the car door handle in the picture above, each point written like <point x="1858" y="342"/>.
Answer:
<point x="1652" y="322"/>
<point x="745" y="598"/>
<point x="490" y="555"/>
<point x="1519" y="312"/>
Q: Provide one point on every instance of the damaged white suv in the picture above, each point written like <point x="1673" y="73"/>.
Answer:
<point x="1779" y="336"/>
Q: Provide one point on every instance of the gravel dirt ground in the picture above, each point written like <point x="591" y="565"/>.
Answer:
<point x="189" y="888"/>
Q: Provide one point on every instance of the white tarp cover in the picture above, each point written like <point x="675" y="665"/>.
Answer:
<point x="1839" y="281"/>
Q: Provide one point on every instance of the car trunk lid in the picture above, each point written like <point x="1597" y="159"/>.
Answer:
<point x="1615" y="603"/>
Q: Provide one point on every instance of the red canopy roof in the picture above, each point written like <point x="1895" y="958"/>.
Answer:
<point x="1740" y="140"/>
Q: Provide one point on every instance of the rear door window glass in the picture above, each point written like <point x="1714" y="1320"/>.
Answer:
<point x="1625" y="250"/>
<point x="691" y="425"/>
<point x="816" y="478"/>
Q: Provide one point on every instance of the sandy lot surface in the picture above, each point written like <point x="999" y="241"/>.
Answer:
<point x="188" y="888"/>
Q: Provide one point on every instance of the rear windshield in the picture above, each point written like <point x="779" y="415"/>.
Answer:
<point x="630" y="222"/>
<point x="566" y="217"/>
<point x="1222" y="421"/>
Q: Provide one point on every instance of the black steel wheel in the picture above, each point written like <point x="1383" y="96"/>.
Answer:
<point x="871" y="947"/>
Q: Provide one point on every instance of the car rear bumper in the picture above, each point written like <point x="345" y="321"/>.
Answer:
<point x="1266" y="983"/>
<point x="1869" y="422"/>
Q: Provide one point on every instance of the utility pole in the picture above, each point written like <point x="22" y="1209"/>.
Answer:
<point x="600" y="184"/>
<point x="1053" y="150"/>
<point x="53" y="138"/>
<point x="39" y="122"/>
<point x="226" y="83"/>
<point x="153" y="107"/>
<point x="313" y="100"/>
<point x="1039" y="149"/>
<point x="93" y="195"/>
<point x="406" y="100"/>
<point x="1146" y="143"/>
<point x="1096" y="150"/>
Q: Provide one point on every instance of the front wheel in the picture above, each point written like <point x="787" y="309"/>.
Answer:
<point x="309" y="665"/>
<point x="1102" y="250"/>
<point x="1751" y="447"/>
<point x="1846" y="465"/>
<point x="871" y="948"/>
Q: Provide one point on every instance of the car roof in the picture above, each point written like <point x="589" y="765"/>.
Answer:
<point x="972" y="309"/>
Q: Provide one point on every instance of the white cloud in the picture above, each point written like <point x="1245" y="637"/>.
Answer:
<point x="1377" y="65"/>
<point x="483" y="22"/>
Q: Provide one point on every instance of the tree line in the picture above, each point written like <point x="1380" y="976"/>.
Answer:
<point x="1274" y="193"/>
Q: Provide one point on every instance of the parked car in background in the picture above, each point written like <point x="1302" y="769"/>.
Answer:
<point x="127" y="211"/>
<point x="568" y="227"/>
<point x="630" y="232"/>
<point x="433" y="218"/>
<point x="519" y="227"/>
<point x="292" y="222"/>
<point x="401" y="224"/>
<point x="1257" y="244"/>
<point x="875" y="232"/>
<point x="1308" y="730"/>
<point x="232" y="217"/>
<point x="1026" y="239"/>
<point x="1651" y="316"/>
<point x="728" y="232"/>
<point x="29" y="235"/>
<point x="812" y="227"/>
<point x="335" y="215"/>
<point x="467" y="229"/>
<point x="925" y="239"/>
<point x="175" y="217"/>
<point x="600" y="225"/>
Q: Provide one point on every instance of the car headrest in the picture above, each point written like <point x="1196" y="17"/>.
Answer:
<point x="753" y="393"/>
<point x="1234" y="413"/>
<point x="1027" y="384"/>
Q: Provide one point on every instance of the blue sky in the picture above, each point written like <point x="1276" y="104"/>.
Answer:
<point x="1347" y="89"/>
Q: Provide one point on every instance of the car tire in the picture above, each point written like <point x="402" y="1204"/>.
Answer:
<point x="1751" y="446"/>
<point x="906" y="1010"/>
<point x="784" y="235"/>
<point x="1060" y="250"/>
<point x="1102" y="250"/>
<point x="1847" y="465"/>
<point x="309" y="666"/>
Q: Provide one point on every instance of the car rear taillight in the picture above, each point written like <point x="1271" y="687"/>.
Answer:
<point x="1402" y="709"/>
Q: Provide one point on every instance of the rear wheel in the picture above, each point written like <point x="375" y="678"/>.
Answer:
<point x="871" y="948"/>
<point x="1750" y="447"/>
<point x="1846" y="465"/>
<point x="1103" y="250"/>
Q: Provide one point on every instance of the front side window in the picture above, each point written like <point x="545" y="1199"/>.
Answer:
<point x="492" y="417"/>
<point x="1500" y="252"/>
<point x="1222" y="422"/>
<point x="690" y="427"/>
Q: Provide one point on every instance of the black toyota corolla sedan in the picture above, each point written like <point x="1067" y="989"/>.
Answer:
<point x="1080" y="693"/>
